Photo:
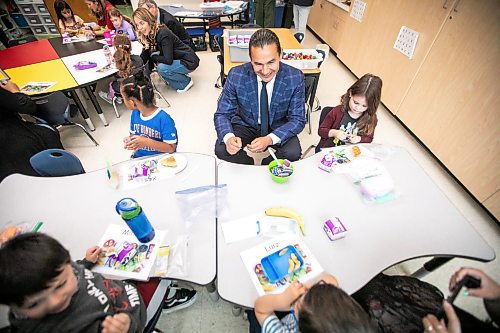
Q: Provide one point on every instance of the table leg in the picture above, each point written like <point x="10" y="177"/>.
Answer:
<point x="430" y="266"/>
<point x="236" y="310"/>
<point x="212" y="291"/>
<point x="82" y="110"/>
<point x="96" y="105"/>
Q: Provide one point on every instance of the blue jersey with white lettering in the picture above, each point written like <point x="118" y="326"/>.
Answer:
<point x="159" y="126"/>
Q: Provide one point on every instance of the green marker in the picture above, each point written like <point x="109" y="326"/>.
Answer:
<point x="37" y="227"/>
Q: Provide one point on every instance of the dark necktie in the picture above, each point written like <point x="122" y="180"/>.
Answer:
<point x="264" y="111"/>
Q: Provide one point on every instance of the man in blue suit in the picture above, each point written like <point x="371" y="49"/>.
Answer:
<point x="247" y="117"/>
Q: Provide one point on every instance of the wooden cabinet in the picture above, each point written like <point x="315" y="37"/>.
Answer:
<point x="319" y="17"/>
<point x="335" y="27"/>
<point x="368" y="45"/>
<point x="453" y="104"/>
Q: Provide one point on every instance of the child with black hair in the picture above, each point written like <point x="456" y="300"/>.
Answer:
<point x="152" y="130"/>
<point x="47" y="292"/>
<point x="318" y="308"/>
<point x="68" y="22"/>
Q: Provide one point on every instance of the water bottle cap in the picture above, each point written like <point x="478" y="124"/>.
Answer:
<point x="128" y="208"/>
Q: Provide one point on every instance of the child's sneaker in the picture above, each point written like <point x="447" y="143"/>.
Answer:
<point x="190" y="84"/>
<point x="182" y="299"/>
<point x="118" y="100"/>
<point x="105" y="97"/>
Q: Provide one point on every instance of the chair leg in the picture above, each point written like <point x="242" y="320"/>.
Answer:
<point x="115" y="108"/>
<point x="307" y="151"/>
<point x="318" y="105"/>
<point x="83" y="129"/>
<point x="157" y="92"/>
<point x="308" y="117"/>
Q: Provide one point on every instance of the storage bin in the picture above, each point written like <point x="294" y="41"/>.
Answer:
<point x="39" y="30"/>
<point x="52" y="29"/>
<point x="19" y="19"/>
<point x="33" y="19"/>
<point x="302" y="63"/>
<point x="46" y="19"/>
<point x="238" y="53"/>
<point x="27" y="9"/>
<point x="41" y="8"/>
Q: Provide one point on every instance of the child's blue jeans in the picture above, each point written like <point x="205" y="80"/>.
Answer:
<point x="174" y="74"/>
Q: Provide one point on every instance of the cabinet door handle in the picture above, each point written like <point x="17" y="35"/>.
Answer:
<point x="444" y="4"/>
<point x="456" y="6"/>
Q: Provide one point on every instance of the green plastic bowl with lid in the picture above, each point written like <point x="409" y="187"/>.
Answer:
<point x="278" y="179"/>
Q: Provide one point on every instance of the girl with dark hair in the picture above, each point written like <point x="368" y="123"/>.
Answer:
<point x="68" y="21"/>
<point x="174" y="59"/>
<point x="355" y="119"/>
<point x="318" y="308"/>
<point x="100" y="9"/>
<point x="121" y="24"/>
<point x="152" y="130"/>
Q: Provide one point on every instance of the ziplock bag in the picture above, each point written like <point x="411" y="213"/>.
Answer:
<point x="202" y="203"/>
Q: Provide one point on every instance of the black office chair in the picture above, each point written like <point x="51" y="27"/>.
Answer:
<point x="220" y="58"/>
<point x="54" y="109"/>
<point x="316" y="147"/>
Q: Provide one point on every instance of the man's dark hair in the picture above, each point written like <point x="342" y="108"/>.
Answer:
<point x="326" y="308"/>
<point x="263" y="37"/>
<point x="28" y="264"/>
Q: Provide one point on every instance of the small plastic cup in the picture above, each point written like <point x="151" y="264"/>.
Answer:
<point x="279" y="179"/>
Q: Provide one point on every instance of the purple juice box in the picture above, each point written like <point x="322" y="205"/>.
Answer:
<point x="232" y="40"/>
<point x="240" y="39"/>
<point x="327" y="162"/>
<point x="334" y="229"/>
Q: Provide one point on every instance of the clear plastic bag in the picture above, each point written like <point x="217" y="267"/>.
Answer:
<point x="178" y="264"/>
<point x="202" y="203"/>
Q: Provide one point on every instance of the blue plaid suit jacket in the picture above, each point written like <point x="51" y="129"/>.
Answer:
<point x="238" y="102"/>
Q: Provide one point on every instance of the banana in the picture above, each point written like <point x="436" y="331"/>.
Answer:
<point x="287" y="212"/>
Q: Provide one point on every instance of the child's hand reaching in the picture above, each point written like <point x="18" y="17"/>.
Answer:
<point x="93" y="253"/>
<point x="119" y="323"/>
<point x="294" y="291"/>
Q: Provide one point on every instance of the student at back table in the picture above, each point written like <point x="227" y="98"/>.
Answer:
<point x="246" y="117"/>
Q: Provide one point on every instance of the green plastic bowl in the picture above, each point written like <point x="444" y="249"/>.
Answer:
<point x="277" y="179"/>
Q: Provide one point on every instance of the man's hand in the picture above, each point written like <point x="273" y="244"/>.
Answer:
<point x="92" y="254"/>
<point x="10" y="86"/>
<point x="233" y="145"/>
<point x="260" y="144"/>
<point x="119" y="323"/>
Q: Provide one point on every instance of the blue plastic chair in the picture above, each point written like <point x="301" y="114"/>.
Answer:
<point x="299" y="36"/>
<point x="56" y="163"/>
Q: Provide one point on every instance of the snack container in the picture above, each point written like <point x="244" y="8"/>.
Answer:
<point x="327" y="162"/>
<point x="301" y="58"/>
<point x="334" y="229"/>
<point x="277" y="265"/>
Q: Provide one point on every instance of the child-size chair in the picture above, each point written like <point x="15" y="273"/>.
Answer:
<point x="54" y="109"/>
<point x="56" y="163"/>
<point x="316" y="147"/>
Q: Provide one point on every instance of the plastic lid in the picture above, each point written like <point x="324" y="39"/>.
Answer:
<point x="128" y="208"/>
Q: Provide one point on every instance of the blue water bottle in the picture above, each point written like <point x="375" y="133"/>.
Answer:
<point x="132" y="213"/>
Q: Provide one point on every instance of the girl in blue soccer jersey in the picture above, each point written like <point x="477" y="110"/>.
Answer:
<point x="152" y="130"/>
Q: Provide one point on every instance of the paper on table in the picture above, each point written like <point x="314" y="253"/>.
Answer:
<point x="236" y="230"/>
<point x="257" y="225"/>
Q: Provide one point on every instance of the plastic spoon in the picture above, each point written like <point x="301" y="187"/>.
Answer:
<point x="274" y="156"/>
